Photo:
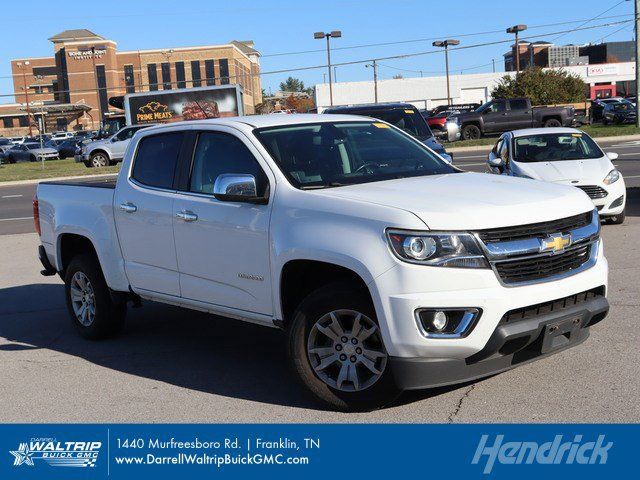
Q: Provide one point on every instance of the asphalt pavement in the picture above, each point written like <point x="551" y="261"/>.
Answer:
<point x="175" y="365"/>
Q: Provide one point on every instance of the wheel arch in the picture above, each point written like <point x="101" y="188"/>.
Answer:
<point x="71" y="245"/>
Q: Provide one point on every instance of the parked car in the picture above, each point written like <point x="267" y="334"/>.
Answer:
<point x="502" y="115"/>
<point x="438" y="123"/>
<point x="66" y="148"/>
<point x="565" y="156"/>
<point x="30" y="152"/>
<point x="619" y="113"/>
<point x="402" y="115"/>
<point x="61" y="135"/>
<point x="5" y="144"/>
<point x="101" y="153"/>
<point x="18" y="140"/>
<point x="388" y="268"/>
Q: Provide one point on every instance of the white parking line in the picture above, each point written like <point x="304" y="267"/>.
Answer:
<point x="12" y="196"/>
<point x="17" y="218"/>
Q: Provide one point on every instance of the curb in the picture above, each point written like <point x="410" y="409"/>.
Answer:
<point x="478" y="148"/>
<point x="52" y="179"/>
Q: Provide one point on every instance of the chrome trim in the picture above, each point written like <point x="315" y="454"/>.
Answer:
<point x="461" y="331"/>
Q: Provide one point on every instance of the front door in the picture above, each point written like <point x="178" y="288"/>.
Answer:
<point x="495" y="116"/>
<point x="143" y="209"/>
<point x="223" y="247"/>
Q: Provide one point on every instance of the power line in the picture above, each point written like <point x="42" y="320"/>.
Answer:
<point x="591" y="19"/>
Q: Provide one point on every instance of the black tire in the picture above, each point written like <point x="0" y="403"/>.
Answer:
<point x="617" y="219"/>
<point x="471" y="132"/>
<point x="109" y="314"/>
<point x="99" y="159"/>
<point x="32" y="158"/>
<point x="336" y="296"/>
<point x="552" y="123"/>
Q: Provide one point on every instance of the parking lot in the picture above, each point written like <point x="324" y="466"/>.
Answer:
<point x="175" y="365"/>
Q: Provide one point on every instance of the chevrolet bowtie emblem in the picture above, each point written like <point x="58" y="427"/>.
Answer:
<point x="555" y="243"/>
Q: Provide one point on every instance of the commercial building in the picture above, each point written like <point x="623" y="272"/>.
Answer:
<point x="71" y="89"/>
<point x="604" y="80"/>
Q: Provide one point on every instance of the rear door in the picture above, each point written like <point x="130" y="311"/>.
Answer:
<point x="223" y="247"/>
<point x="143" y="209"/>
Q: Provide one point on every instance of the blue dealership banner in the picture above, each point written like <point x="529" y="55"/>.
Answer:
<point x="132" y="451"/>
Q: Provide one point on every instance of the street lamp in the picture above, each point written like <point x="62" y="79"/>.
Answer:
<point x="515" y="30"/>
<point x="374" y="65"/>
<point x="328" y="35"/>
<point x="22" y="66"/>
<point x="446" y="44"/>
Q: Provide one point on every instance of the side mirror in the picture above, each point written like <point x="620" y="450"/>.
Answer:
<point x="495" y="161"/>
<point x="237" y="187"/>
<point x="612" y="156"/>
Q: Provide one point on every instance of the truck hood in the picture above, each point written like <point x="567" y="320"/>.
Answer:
<point x="471" y="201"/>
<point x="591" y="171"/>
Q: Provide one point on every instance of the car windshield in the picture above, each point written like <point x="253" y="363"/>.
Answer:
<point x="407" y="119"/>
<point x="551" y="147"/>
<point x="334" y="154"/>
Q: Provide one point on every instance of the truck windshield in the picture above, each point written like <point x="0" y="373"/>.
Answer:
<point x="334" y="154"/>
<point x="553" y="147"/>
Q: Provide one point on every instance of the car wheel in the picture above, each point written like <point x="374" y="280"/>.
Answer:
<point x="93" y="311"/>
<point x="32" y="158"/>
<point x="336" y="350"/>
<point x="471" y="132"/>
<point x="99" y="160"/>
<point x="552" y="123"/>
<point x="617" y="219"/>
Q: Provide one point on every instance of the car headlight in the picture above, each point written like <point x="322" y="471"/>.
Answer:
<point x="612" y="177"/>
<point x="437" y="249"/>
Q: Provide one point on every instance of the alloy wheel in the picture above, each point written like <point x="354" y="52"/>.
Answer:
<point x="99" y="160"/>
<point x="83" y="299"/>
<point x="345" y="350"/>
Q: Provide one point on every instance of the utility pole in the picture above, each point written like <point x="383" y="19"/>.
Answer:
<point x="637" y="25"/>
<point x="22" y="66"/>
<point x="493" y="61"/>
<point x="374" y="65"/>
<point x="328" y="36"/>
<point x="517" y="29"/>
<point x="446" y="44"/>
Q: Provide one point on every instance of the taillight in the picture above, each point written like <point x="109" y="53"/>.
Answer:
<point x="36" y="214"/>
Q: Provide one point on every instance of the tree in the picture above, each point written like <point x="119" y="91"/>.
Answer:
<point x="542" y="87"/>
<point x="292" y="85"/>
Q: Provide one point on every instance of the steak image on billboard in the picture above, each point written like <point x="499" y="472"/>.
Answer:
<point x="184" y="104"/>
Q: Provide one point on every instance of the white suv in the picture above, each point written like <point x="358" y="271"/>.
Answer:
<point x="109" y="151"/>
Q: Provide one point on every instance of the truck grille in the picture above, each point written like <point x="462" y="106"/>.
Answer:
<point x="542" y="266"/>
<point x="594" y="191"/>
<point x="544" y="308"/>
<point x="542" y="229"/>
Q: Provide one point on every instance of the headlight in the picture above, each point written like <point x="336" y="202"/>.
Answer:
<point x="612" y="177"/>
<point x="437" y="249"/>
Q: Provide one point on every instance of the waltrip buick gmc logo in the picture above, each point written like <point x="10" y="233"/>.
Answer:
<point x="56" y="453"/>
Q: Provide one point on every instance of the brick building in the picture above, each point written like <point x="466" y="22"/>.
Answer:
<point x="71" y="89"/>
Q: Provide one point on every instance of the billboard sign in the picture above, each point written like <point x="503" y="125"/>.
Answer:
<point x="183" y="104"/>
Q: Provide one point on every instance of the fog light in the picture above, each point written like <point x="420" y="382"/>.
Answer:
<point x="439" y="320"/>
<point x="447" y="322"/>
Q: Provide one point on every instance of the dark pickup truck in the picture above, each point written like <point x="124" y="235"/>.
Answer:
<point x="503" y="115"/>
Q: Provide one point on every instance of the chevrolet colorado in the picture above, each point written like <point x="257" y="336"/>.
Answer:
<point x="388" y="268"/>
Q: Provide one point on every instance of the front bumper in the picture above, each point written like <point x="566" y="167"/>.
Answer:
<point x="510" y="345"/>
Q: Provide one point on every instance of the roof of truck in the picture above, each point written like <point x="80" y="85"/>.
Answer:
<point x="270" y="120"/>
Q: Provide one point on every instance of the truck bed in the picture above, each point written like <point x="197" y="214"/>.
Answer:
<point x="102" y="182"/>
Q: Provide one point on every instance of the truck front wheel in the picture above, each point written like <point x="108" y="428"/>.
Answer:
<point x="336" y="349"/>
<point x="471" y="132"/>
<point x="99" y="159"/>
<point x="94" y="313"/>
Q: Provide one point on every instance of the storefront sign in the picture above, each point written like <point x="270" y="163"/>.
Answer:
<point x="83" y="54"/>
<point x="598" y="70"/>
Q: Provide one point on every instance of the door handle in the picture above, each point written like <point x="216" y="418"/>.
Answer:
<point x="187" y="216"/>
<point x="128" y="207"/>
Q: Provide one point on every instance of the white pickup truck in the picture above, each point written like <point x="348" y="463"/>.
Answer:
<point x="388" y="268"/>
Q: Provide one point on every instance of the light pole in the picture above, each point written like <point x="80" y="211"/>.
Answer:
<point x="41" y="120"/>
<point x="445" y="44"/>
<point x="328" y="35"/>
<point x="515" y="30"/>
<point x="22" y="66"/>
<point x="374" y="65"/>
<point x="637" y="29"/>
<point x="167" y="54"/>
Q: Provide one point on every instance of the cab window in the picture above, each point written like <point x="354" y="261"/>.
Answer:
<point x="156" y="159"/>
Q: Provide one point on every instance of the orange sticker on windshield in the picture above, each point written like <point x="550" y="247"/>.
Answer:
<point x="409" y="111"/>
<point x="578" y="135"/>
<point x="380" y="125"/>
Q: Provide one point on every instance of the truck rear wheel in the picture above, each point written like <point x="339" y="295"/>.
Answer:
<point x="471" y="132"/>
<point x="552" y="123"/>
<point x="336" y="350"/>
<point x="94" y="313"/>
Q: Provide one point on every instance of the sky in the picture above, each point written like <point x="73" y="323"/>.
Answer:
<point x="285" y="27"/>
